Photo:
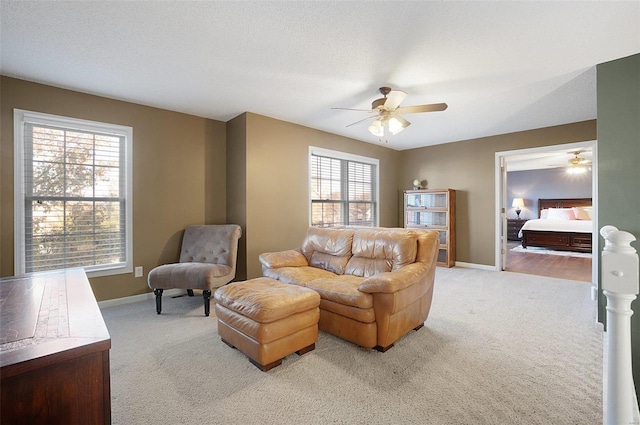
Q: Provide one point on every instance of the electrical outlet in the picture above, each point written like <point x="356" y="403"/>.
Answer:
<point x="138" y="272"/>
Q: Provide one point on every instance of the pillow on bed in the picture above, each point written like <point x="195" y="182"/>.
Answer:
<point x="544" y="214"/>
<point x="561" y="214"/>
<point x="582" y="213"/>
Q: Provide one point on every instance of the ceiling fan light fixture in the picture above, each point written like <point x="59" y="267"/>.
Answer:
<point x="577" y="165"/>
<point x="377" y="128"/>
<point x="577" y="169"/>
<point x="395" y="125"/>
<point x="387" y="112"/>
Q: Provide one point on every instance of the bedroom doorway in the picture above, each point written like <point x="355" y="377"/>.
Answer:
<point x="547" y="161"/>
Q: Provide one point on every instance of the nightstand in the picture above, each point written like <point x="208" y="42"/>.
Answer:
<point x="513" y="228"/>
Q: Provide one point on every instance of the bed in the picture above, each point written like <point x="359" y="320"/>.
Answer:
<point x="562" y="224"/>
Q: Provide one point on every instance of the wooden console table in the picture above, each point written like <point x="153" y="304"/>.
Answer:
<point x="54" y="351"/>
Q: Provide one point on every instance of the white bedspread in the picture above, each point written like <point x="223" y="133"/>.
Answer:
<point x="579" y="226"/>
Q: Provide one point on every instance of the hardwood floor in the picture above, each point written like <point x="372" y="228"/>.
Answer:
<point x="562" y="267"/>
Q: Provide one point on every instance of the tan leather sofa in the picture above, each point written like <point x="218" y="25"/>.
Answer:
<point x="375" y="284"/>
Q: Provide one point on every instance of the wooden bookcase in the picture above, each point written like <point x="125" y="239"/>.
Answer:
<point x="434" y="210"/>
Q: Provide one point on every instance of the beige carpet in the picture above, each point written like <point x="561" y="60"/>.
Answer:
<point x="497" y="348"/>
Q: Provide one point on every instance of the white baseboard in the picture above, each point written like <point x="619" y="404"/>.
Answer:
<point x="140" y="297"/>
<point x="475" y="266"/>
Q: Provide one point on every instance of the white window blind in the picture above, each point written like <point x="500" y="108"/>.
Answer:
<point x="74" y="185"/>
<point x="344" y="189"/>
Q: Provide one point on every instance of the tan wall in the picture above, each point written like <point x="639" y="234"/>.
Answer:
<point x="178" y="173"/>
<point x="237" y="186"/>
<point x="277" y="183"/>
<point x="186" y="172"/>
<point x="215" y="172"/>
<point x="469" y="167"/>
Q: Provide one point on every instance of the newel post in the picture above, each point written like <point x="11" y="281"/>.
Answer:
<point x="620" y="286"/>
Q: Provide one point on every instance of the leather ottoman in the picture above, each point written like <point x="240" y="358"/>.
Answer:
<point x="267" y="320"/>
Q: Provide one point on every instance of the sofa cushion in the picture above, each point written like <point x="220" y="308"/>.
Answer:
<point x="289" y="258"/>
<point x="364" y="315"/>
<point x="342" y="290"/>
<point x="328" y="249"/>
<point x="381" y="250"/>
<point x="264" y="300"/>
<point x="298" y="275"/>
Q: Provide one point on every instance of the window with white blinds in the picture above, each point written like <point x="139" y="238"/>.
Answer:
<point x="343" y="189"/>
<point x="73" y="195"/>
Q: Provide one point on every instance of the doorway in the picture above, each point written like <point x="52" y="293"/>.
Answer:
<point x="539" y="159"/>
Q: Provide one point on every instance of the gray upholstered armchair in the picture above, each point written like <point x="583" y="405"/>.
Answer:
<point x="207" y="261"/>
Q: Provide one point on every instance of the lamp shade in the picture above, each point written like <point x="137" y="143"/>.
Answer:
<point x="517" y="202"/>
<point x="394" y="124"/>
<point x="376" y="128"/>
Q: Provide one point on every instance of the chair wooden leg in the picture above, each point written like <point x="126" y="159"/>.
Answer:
<point x="158" y="293"/>
<point x="207" y="302"/>
<point x="190" y="292"/>
<point x="420" y="326"/>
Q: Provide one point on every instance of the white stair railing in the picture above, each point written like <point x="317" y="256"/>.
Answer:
<point x="620" y="286"/>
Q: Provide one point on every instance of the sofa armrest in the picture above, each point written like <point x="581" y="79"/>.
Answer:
<point x="390" y="282"/>
<point x="289" y="258"/>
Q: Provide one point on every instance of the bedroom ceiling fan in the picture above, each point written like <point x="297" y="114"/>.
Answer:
<point x="577" y="165"/>
<point x="386" y="112"/>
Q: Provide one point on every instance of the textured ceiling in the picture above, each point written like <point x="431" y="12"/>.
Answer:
<point x="501" y="66"/>
<point x="548" y="157"/>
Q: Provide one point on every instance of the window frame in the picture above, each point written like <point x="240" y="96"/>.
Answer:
<point x="20" y="118"/>
<point x="343" y="156"/>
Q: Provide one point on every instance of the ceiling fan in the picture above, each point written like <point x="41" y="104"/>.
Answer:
<point x="386" y="112"/>
<point x="576" y="160"/>
<point x="577" y="164"/>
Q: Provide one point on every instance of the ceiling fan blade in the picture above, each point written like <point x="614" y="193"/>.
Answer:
<point x="351" y="109"/>
<point x="422" y="108"/>
<point x="394" y="98"/>
<point x="364" y="119"/>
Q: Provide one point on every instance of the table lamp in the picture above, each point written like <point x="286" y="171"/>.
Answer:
<point x="518" y="203"/>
